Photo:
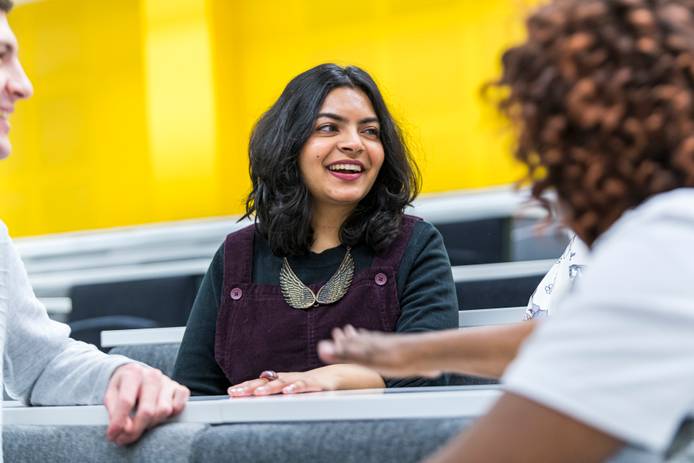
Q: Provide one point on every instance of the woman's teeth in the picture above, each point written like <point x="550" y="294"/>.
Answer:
<point x="345" y="167"/>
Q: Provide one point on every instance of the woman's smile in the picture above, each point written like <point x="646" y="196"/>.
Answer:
<point x="348" y="170"/>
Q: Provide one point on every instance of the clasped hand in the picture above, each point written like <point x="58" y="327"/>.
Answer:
<point x="139" y="397"/>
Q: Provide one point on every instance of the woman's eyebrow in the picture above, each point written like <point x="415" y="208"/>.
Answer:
<point x="332" y="116"/>
<point x="338" y="118"/>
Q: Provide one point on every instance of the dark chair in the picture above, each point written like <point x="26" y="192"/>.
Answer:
<point x="506" y="292"/>
<point x="152" y="303"/>
<point x="477" y="241"/>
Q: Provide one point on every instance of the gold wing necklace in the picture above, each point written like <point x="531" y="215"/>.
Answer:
<point x="300" y="296"/>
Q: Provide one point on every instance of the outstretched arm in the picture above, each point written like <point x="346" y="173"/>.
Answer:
<point x="484" y="351"/>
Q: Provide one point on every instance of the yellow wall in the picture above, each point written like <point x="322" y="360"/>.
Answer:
<point x="142" y="108"/>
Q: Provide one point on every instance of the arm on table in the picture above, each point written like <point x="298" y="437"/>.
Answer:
<point x="44" y="366"/>
<point x="327" y="378"/>
<point x="484" y="351"/>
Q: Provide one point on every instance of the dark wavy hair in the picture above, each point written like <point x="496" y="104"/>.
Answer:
<point x="6" y="6"/>
<point x="602" y="93"/>
<point x="280" y="201"/>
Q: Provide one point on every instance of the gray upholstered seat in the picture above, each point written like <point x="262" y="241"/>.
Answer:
<point x="402" y="441"/>
<point x="171" y="443"/>
<point x="333" y="442"/>
<point x="161" y="356"/>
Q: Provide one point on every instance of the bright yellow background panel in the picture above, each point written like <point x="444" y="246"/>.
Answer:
<point x="143" y="108"/>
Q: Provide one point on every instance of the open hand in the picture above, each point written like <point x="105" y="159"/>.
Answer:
<point x="283" y="383"/>
<point x="392" y="355"/>
<point x="139" y="397"/>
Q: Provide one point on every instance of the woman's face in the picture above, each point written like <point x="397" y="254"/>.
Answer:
<point x="341" y="159"/>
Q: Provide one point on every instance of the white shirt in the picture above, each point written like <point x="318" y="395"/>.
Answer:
<point x="619" y="355"/>
<point x="41" y="365"/>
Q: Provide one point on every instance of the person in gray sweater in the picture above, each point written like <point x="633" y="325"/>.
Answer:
<point x="41" y="364"/>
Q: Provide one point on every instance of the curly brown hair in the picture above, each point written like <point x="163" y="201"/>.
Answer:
<point x="602" y="94"/>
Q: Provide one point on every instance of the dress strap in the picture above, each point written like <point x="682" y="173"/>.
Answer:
<point x="238" y="255"/>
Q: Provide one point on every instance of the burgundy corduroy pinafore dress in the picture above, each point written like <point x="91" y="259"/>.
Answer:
<point x="257" y="330"/>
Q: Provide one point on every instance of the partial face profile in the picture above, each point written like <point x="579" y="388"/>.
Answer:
<point x="340" y="161"/>
<point x="14" y="83"/>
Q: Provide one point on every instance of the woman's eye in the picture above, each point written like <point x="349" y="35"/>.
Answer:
<point x="326" y="128"/>
<point x="372" y="131"/>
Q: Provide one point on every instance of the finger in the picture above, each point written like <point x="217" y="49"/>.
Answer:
<point x="337" y="334"/>
<point x="246" y="388"/>
<point x="300" y="386"/>
<point x="146" y="414"/>
<point x="327" y="352"/>
<point x="165" y="407"/>
<point x="110" y="398"/>
<point x="339" y="339"/>
<point x="180" y="399"/>
<point x="122" y="401"/>
<point x="350" y="331"/>
<point x="273" y="387"/>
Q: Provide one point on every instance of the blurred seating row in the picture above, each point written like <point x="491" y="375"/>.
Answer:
<point x="147" y="276"/>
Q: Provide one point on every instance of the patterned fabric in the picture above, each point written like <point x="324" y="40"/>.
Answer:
<point x="558" y="281"/>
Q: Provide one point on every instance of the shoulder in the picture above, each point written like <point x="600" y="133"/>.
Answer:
<point x="670" y="213"/>
<point x="218" y="259"/>
<point x="241" y="233"/>
<point x="425" y="243"/>
<point x="238" y="241"/>
<point x="423" y="233"/>
<point x="648" y="243"/>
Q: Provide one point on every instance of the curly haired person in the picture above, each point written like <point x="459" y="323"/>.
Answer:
<point x="602" y="95"/>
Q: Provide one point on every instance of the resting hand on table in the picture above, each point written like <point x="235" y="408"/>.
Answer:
<point x="139" y="397"/>
<point x="392" y="355"/>
<point x="328" y="378"/>
<point x="283" y="383"/>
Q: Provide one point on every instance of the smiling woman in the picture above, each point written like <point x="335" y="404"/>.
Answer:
<point x="330" y="245"/>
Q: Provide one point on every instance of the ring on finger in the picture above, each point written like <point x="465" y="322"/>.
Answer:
<point x="270" y="375"/>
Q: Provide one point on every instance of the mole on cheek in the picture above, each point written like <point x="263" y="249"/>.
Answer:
<point x="317" y="156"/>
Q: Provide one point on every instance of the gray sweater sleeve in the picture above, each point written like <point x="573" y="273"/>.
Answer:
<point x="42" y="365"/>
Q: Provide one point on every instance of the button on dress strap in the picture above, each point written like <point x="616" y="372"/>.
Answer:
<point x="236" y="294"/>
<point x="238" y="256"/>
<point x="393" y="255"/>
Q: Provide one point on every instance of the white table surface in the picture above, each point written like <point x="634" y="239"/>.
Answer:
<point x="372" y="404"/>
